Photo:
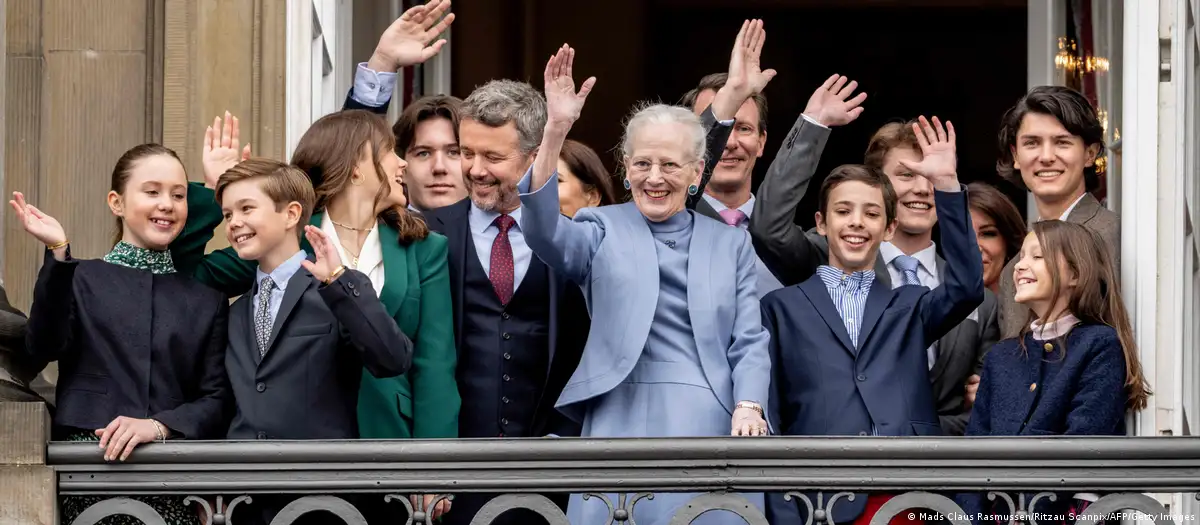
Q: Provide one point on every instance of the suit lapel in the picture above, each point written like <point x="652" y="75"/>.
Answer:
<point x="456" y="226"/>
<point x="877" y="301"/>
<point x="296" y="287"/>
<point x="395" y="270"/>
<point x="242" y="322"/>
<point x="882" y="275"/>
<point x="1087" y="208"/>
<point x="818" y="295"/>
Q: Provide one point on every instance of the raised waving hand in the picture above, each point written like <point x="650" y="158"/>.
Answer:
<point x="563" y="106"/>
<point x="563" y="102"/>
<point x="42" y="227"/>
<point x="221" y="145"/>
<point x="939" y="160"/>
<point x="328" y="265"/>
<point x="410" y="39"/>
<point x="831" y="104"/>
<point x="745" y="76"/>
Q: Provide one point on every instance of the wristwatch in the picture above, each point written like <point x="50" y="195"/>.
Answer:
<point x="752" y="406"/>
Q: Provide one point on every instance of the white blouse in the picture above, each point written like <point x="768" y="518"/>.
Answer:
<point x="370" y="260"/>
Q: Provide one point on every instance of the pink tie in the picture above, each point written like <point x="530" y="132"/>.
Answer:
<point x="732" y="217"/>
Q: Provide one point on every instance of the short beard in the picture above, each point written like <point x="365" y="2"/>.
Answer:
<point x="506" y="198"/>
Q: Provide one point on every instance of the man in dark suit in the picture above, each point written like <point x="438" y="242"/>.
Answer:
<point x="298" y="342"/>
<point x="854" y="343"/>
<point x="910" y="257"/>
<point x="1049" y="141"/>
<point x="727" y="193"/>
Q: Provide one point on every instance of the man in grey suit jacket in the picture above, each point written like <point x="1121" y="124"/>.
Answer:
<point x="727" y="195"/>
<point x="793" y="255"/>
<point x="1049" y="142"/>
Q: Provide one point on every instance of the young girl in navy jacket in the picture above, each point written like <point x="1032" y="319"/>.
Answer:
<point x="1074" y="369"/>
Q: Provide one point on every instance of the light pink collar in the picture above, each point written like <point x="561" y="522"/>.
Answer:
<point x="1055" y="329"/>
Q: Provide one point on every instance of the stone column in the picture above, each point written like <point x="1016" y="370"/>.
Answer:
<point x="27" y="485"/>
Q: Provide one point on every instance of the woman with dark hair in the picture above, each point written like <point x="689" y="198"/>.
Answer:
<point x="140" y="346"/>
<point x="999" y="229"/>
<point x="583" y="181"/>
<point x="351" y="160"/>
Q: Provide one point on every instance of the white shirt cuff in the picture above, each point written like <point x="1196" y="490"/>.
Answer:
<point x="372" y="88"/>
<point x="813" y="121"/>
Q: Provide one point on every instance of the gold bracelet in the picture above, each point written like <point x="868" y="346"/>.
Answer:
<point x="162" y="436"/>
<point x="337" y="272"/>
<point x="57" y="245"/>
<point x="752" y="406"/>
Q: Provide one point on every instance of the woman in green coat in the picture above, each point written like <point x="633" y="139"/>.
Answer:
<point x="358" y="178"/>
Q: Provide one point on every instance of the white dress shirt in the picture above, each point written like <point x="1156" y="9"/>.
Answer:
<point x="370" y="259"/>
<point x="372" y="88"/>
<point x="484" y="233"/>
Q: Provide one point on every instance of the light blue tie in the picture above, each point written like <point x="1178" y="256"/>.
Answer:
<point x="908" y="268"/>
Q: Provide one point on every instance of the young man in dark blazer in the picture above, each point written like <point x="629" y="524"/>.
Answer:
<point x="851" y="341"/>
<point x="299" y="340"/>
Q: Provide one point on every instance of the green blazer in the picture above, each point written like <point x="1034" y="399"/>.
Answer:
<point x="423" y="403"/>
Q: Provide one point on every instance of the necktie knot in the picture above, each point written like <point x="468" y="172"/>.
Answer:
<point x="908" y="267"/>
<point x="732" y="217"/>
<point x="267" y="285"/>
<point x="504" y="222"/>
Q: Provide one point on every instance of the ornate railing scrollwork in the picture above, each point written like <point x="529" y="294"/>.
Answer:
<point x="817" y="473"/>
<point x="533" y="502"/>
<point x="119" y="507"/>
<point x="920" y="500"/>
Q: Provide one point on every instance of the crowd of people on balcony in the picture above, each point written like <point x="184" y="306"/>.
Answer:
<point x="470" y="272"/>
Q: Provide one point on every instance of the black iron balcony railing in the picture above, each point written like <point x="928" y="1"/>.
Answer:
<point x="1016" y="470"/>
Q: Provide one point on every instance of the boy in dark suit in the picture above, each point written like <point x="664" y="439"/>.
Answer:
<point x="299" y="340"/>
<point x="848" y="351"/>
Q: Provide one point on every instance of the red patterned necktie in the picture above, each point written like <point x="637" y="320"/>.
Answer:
<point x="501" y="268"/>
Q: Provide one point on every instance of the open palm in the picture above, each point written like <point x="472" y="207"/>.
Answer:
<point x="939" y="162"/>
<point x="221" y="148"/>
<point x="42" y="227"/>
<point x="328" y="258"/>
<point x="745" y="61"/>
<point x="408" y="40"/>
<point x="831" y="104"/>
<point x="563" y="103"/>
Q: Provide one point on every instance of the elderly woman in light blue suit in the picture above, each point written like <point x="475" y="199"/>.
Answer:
<point x="676" y="347"/>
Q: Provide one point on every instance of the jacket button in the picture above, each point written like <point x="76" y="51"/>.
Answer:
<point x="1033" y="387"/>
<point x="862" y="377"/>
<point x="504" y="400"/>
<point x="507" y="336"/>
<point x="507" y="356"/>
<point x="262" y="435"/>
<point x="1049" y="347"/>
<point x="504" y="315"/>
<point x="350" y="285"/>
<point x="356" y="293"/>
<point x="503" y="421"/>
<point x="862" y="432"/>
<point x="506" y="378"/>
<point x="261" y="387"/>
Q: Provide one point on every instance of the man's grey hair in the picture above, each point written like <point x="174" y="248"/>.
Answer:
<point x="664" y="114"/>
<point x="502" y="101"/>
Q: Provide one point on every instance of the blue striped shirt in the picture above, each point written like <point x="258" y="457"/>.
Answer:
<point x="849" y="294"/>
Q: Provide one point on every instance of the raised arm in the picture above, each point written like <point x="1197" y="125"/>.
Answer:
<point x="52" y="316"/>
<point x="949" y="304"/>
<point x="221" y="269"/>
<point x="790" y="253"/>
<point x="565" y="245"/>
<point x="411" y="39"/>
<point x="745" y="78"/>
<point x="364" y="322"/>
